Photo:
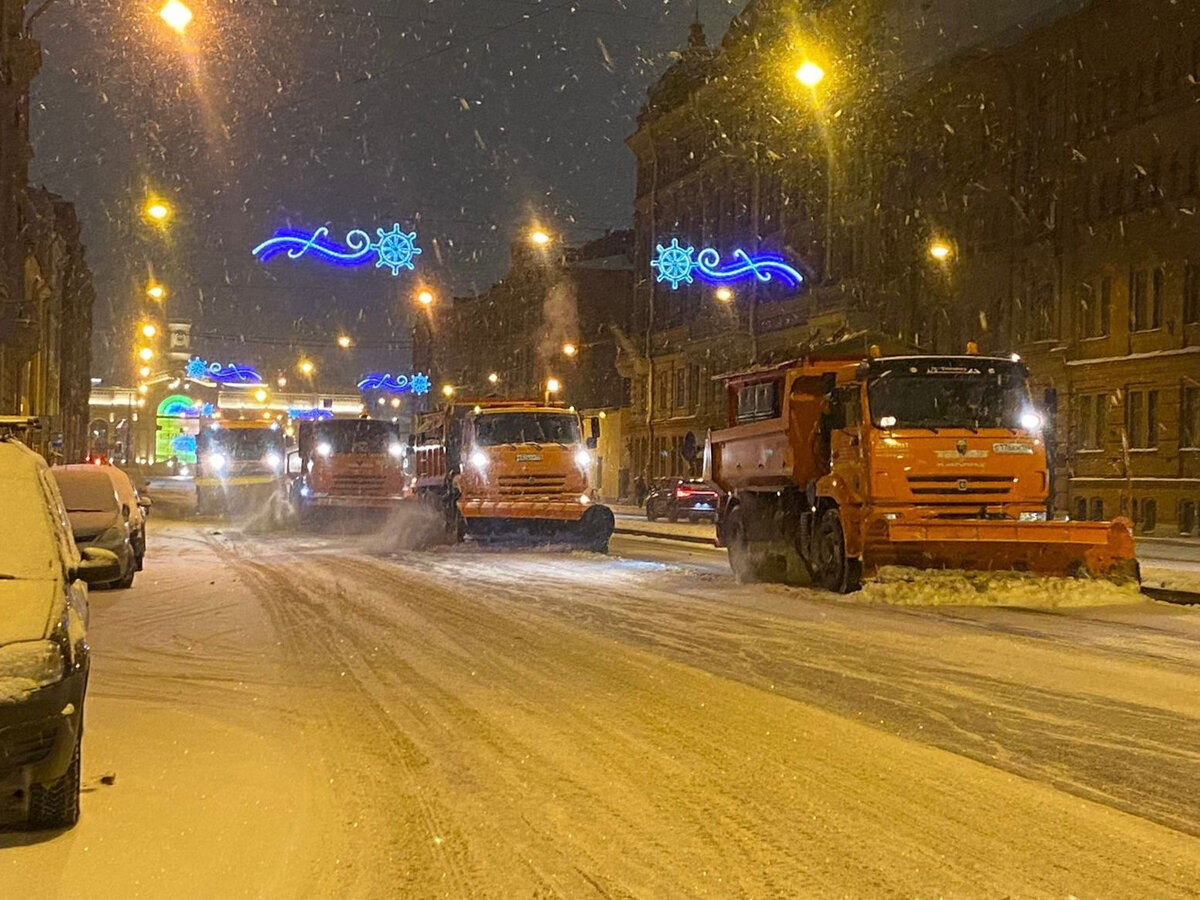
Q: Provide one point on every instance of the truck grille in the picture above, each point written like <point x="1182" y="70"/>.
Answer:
<point x="362" y="484"/>
<point x="958" y="485"/>
<point x="532" y="485"/>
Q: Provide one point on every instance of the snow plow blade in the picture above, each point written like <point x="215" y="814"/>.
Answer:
<point x="1076" y="549"/>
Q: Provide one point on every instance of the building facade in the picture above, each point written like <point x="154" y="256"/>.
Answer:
<point x="1054" y="170"/>
<point x="46" y="292"/>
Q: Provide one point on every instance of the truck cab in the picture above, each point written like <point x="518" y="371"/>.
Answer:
<point x="348" y="464"/>
<point x="239" y="464"/>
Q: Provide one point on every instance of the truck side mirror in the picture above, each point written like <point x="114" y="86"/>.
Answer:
<point x="594" y="426"/>
<point x="412" y="441"/>
<point x="591" y="442"/>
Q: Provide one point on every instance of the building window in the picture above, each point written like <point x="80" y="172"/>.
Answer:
<point x="1189" y="417"/>
<point x="1145" y="299"/>
<point x="756" y="402"/>
<point x="1191" y="294"/>
<point x="1090" y="414"/>
<point x="1095" y="308"/>
<point x="1097" y="510"/>
<point x="1081" y="508"/>
<point x="1149" y="517"/>
<point x="1187" y="518"/>
<point x="1141" y="419"/>
<point x="680" y="388"/>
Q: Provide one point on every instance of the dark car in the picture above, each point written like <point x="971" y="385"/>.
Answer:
<point x="674" y="498"/>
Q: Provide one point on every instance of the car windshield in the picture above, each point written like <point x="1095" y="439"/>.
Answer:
<point x="949" y="396"/>
<point x="87" y="491"/>
<point x="355" y="436"/>
<point x="526" y="428"/>
<point x="240" y="443"/>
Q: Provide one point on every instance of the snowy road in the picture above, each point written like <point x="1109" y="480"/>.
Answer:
<point x="300" y="716"/>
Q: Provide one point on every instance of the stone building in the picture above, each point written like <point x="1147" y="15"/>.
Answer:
<point x="46" y="293"/>
<point x="1052" y="160"/>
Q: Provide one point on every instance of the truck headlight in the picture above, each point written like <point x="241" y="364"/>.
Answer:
<point x="216" y="461"/>
<point x="1031" y="421"/>
<point x="396" y="451"/>
<point x="479" y="460"/>
<point x="583" y="459"/>
<point x="1033" y="516"/>
<point x="273" y="461"/>
<point x="324" y="449"/>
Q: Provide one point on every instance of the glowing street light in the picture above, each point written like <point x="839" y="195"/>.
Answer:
<point x="810" y="74"/>
<point x="156" y="291"/>
<point x="344" y="341"/>
<point x="143" y="389"/>
<point x="158" y="211"/>
<point x="539" y="237"/>
<point x="724" y="294"/>
<point x="281" y="381"/>
<point x="447" y="390"/>
<point x="176" y="15"/>
<point x="306" y="367"/>
<point x="494" y="378"/>
<point x="148" y="330"/>
<point x="144" y="372"/>
<point x="940" y="250"/>
<point x="260" y="396"/>
<point x="146" y="354"/>
<point x="425" y="298"/>
<point x="569" y="349"/>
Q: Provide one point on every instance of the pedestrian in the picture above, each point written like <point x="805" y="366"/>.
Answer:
<point x="639" y="490"/>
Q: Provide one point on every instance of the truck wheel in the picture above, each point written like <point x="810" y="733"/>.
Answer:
<point x="750" y="565"/>
<point x="831" y="568"/>
<point x="56" y="805"/>
<point x="673" y="516"/>
<point x="596" y="527"/>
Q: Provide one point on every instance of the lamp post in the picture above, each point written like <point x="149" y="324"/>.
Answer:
<point x="810" y="76"/>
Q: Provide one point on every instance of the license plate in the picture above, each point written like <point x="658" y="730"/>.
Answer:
<point x="707" y="506"/>
<point x="529" y="457"/>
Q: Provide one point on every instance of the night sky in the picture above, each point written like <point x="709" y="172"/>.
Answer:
<point x="462" y="119"/>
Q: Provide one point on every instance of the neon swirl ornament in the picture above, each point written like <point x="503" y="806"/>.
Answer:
<point x="310" y="415"/>
<point x="395" y="384"/>
<point x="395" y="249"/>
<point x="198" y="369"/>
<point x="676" y="265"/>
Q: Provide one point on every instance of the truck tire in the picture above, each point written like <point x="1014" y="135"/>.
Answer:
<point x="596" y="527"/>
<point x="750" y="564"/>
<point x="831" y="568"/>
<point x="56" y="805"/>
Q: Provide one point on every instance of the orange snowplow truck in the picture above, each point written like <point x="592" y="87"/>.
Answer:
<point x="504" y="468"/>
<point x="835" y="467"/>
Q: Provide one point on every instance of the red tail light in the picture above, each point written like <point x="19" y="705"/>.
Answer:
<point x="682" y="492"/>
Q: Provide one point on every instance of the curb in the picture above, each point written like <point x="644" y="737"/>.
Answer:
<point x="683" y="538"/>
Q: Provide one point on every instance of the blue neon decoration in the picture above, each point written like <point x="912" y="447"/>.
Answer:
<point x="676" y="265"/>
<point x="396" y="384"/>
<point x="198" y="369"/>
<point x="310" y="415"/>
<point x="395" y="249"/>
<point x="184" y="445"/>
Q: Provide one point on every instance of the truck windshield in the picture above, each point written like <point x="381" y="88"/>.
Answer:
<point x="239" y="443"/>
<point x="526" y="428"/>
<point x="949" y="396"/>
<point x="355" y="436"/>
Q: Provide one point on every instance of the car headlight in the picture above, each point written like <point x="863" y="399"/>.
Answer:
<point x="273" y="460"/>
<point x="583" y="459"/>
<point x="1033" y="516"/>
<point x="396" y="451"/>
<point x="26" y="666"/>
<point x="216" y="461"/>
<point x="1031" y="421"/>
<point x="325" y="449"/>
<point x="479" y="460"/>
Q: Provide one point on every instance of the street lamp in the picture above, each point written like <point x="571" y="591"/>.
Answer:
<point x="724" y="294"/>
<point x="940" y="250"/>
<point x="425" y="298"/>
<point x="260" y="396"/>
<point x="539" y="237"/>
<point x="146" y="354"/>
<point x="569" y="349"/>
<point x="493" y="378"/>
<point x="281" y="381"/>
<point x="344" y="341"/>
<point x="144" y="372"/>
<point x="157" y="211"/>
<point x="810" y="74"/>
<point x="148" y="330"/>
<point x="306" y="367"/>
<point x="156" y="291"/>
<point x="447" y="391"/>
<point x="176" y="15"/>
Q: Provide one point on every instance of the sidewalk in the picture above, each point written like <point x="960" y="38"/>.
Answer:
<point x="632" y="520"/>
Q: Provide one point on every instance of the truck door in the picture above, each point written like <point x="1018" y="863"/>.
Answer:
<point x="845" y="440"/>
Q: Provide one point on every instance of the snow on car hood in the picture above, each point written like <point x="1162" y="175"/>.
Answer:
<point x="29" y="608"/>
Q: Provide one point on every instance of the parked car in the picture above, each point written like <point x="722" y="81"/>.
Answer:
<point x="43" y="644"/>
<point x="99" y="517"/>
<point x="672" y="498"/>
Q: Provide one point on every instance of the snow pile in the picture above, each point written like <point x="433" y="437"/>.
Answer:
<point x="412" y="526"/>
<point x="901" y="586"/>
